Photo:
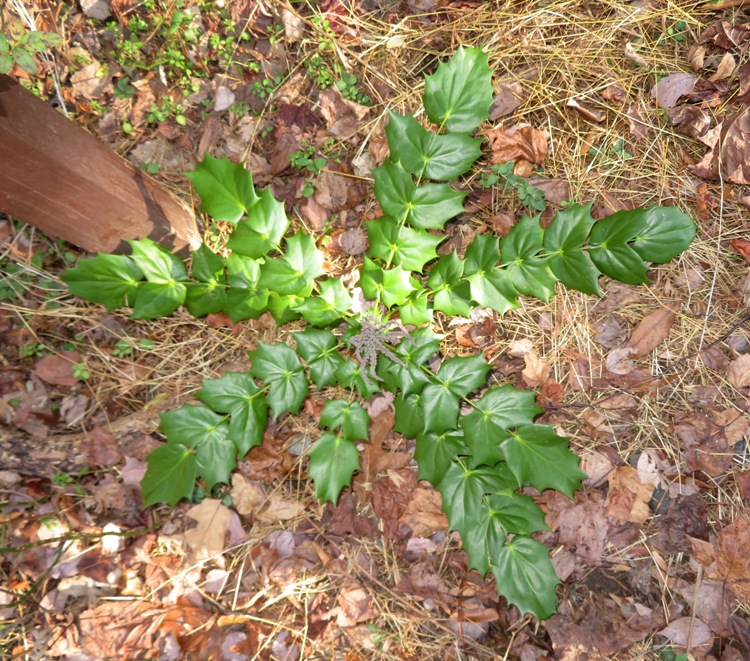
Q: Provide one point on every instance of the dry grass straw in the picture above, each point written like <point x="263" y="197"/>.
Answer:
<point x="557" y="50"/>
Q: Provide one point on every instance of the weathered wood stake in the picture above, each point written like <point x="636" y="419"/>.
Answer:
<point x="61" y="179"/>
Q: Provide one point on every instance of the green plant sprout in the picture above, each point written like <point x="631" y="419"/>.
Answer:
<point x="348" y="88"/>
<point x="530" y="196"/>
<point x="305" y="159"/>
<point x="19" y="46"/>
<point x="477" y="442"/>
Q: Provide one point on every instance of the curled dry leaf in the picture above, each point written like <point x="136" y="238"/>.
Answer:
<point x="628" y="497"/>
<point x="728" y="144"/>
<point x="536" y="371"/>
<point x="520" y="142"/>
<point x="507" y="99"/>
<point x="742" y="246"/>
<point x="669" y="89"/>
<point x="207" y="539"/>
<point x="586" y="113"/>
<point x="725" y="35"/>
<point x="725" y="69"/>
<point x="639" y="129"/>
<point x="651" y="332"/>
<point x="739" y="372"/>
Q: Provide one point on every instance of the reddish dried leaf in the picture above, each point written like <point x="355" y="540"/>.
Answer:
<point x="584" y="527"/>
<point x="522" y="142"/>
<point x="507" y="99"/>
<point x="670" y="88"/>
<point x="742" y="246"/>
<point x="732" y="557"/>
<point x="57" y="370"/>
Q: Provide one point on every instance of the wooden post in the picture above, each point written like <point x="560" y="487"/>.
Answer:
<point x="61" y="179"/>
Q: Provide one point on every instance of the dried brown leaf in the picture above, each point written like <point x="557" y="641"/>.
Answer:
<point x="651" y="332"/>
<point x="738" y="372"/>
<point x="57" y="370"/>
<point x="207" y="539"/>
<point x="628" y="497"/>
<point x="507" y="99"/>
<point x="520" y="142"/>
<point x="725" y="69"/>
<point x="669" y="89"/>
<point x="537" y="370"/>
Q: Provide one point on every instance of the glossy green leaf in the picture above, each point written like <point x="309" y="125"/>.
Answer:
<point x="463" y="374"/>
<point x="435" y="452"/>
<point x="333" y="461"/>
<point x="416" y="311"/>
<point x="391" y="242"/>
<point x="494" y="289"/>
<point x="525" y="576"/>
<point x="263" y="230"/>
<point x="329" y="306"/>
<point x="216" y="459"/>
<point x="350" y="417"/>
<point x="112" y="280"/>
<point x="192" y="425"/>
<point x="237" y="394"/>
<point x="500" y="409"/>
<point x="428" y="206"/>
<point x="278" y="367"/>
<point x="6" y="61"/>
<point x="157" y="263"/>
<point x="245" y="298"/>
<point x="304" y="256"/>
<point x="225" y="188"/>
<point x="391" y="286"/>
<point x="283" y="307"/>
<point x="279" y="276"/>
<point x="564" y="240"/>
<point x="440" y="406"/>
<point x="482" y="254"/>
<point x="349" y="375"/>
<point x="158" y="299"/>
<point x="538" y="456"/>
<point x="409" y="375"/>
<point x="427" y="154"/>
<point x="321" y="355"/>
<point x="663" y="232"/>
<point x="409" y="415"/>
<point x="451" y="292"/>
<point x="463" y="489"/>
<point x="619" y="261"/>
<point x="207" y="266"/>
<point x="170" y="475"/>
<point x="529" y="273"/>
<point x="459" y="94"/>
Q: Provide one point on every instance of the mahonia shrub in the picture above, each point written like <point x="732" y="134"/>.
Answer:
<point x="478" y="444"/>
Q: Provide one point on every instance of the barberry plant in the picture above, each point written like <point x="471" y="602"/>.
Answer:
<point x="478" y="443"/>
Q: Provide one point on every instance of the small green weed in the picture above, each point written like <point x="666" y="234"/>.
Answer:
<point x="305" y="159"/>
<point x="348" y="88"/>
<point x="32" y="349"/>
<point x="80" y="372"/>
<point x="19" y="46"/>
<point x="530" y="196"/>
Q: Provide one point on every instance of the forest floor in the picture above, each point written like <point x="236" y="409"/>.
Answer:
<point x="622" y="104"/>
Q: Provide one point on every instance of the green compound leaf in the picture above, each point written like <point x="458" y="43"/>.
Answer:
<point x="494" y="289"/>
<point x="482" y="254"/>
<point x="463" y="489"/>
<point x="216" y="460"/>
<point x="320" y="352"/>
<point x="409" y="377"/>
<point x="661" y="233"/>
<point x="225" y="188"/>
<point x="304" y="256"/>
<point x="279" y="276"/>
<point x="237" y="394"/>
<point x="333" y="461"/>
<point x="440" y="406"/>
<point x="210" y="294"/>
<point x="409" y="415"/>
<point x="538" y="456"/>
<point x="459" y="94"/>
<point x="157" y="263"/>
<point x="349" y="375"/>
<point x="563" y="241"/>
<point x="391" y="286"/>
<point x="435" y="452"/>
<point x="263" y="230"/>
<point x="416" y="311"/>
<point x="350" y="417"/>
<point x="112" y="280"/>
<point x="525" y="576"/>
<point x="282" y="307"/>
<point x="451" y="293"/>
<point x="278" y="366"/>
<point x="428" y="206"/>
<point x="529" y="273"/>
<point x="620" y="262"/>
<point x="329" y="306"/>
<point x="170" y="475"/>
<point x="427" y="154"/>
<point x="402" y="245"/>
<point x="502" y="514"/>
<point x="245" y="298"/>
<point x="25" y="60"/>
<point x="500" y="409"/>
<point x="192" y="425"/>
<point x="463" y="374"/>
<point x="158" y="299"/>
